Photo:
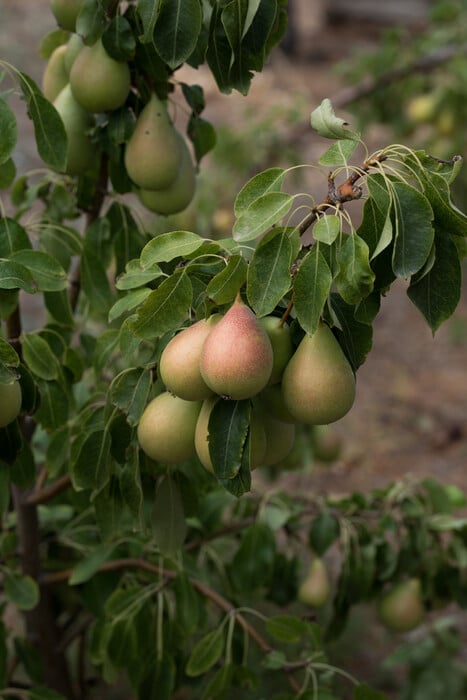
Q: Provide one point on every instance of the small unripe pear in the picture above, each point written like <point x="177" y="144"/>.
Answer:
<point x="80" y="151"/>
<point x="257" y="437"/>
<point x="66" y="12"/>
<point x="326" y="443"/>
<point x="280" y="439"/>
<point x="73" y="47"/>
<point x="402" y="608"/>
<point x="10" y="402"/>
<point x="99" y="82"/>
<point x="315" y="588"/>
<point x="279" y="335"/>
<point x="318" y="384"/>
<point x="236" y="360"/>
<point x="152" y="155"/>
<point x="273" y="401"/>
<point x="179" y="362"/>
<point x="166" y="430"/>
<point x="55" y="75"/>
<point x="178" y="195"/>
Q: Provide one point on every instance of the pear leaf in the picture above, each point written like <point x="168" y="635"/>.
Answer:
<point x="223" y="287"/>
<point x="327" y="228"/>
<point x="263" y="213"/>
<point x="165" y="309"/>
<point x="270" y="180"/>
<point x="227" y="433"/>
<point x="414" y="232"/>
<point x="168" y="246"/>
<point x="355" y="277"/>
<point x="339" y="153"/>
<point x="176" y="30"/>
<point x="327" y="124"/>
<point x="8" y="131"/>
<point x="268" y="278"/>
<point x="168" y="521"/>
<point x="311" y="289"/>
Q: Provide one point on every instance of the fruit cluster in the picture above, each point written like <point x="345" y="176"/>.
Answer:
<point x="236" y="357"/>
<point x="84" y="80"/>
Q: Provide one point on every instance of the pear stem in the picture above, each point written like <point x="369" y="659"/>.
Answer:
<point x="286" y="313"/>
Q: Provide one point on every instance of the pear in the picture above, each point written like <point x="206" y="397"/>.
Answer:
<point x="315" y="588"/>
<point x="66" y="12"/>
<point x="280" y="439"/>
<point x="10" y="402"/>
<point x="325" y="442"/>
<point x="179" y="361"/>
<point x="153" y="154"/>
<point x="73" y="47"/>
<point x="80" y="151"/>
<point x="279" y="335"/>
<point x="257" y="437"/>
<point x="273" y="401"/>
<point x="166" y="430"/>
<point x="55" y="75"/>
<point x="178" y="195"/>
<point x="237" y="358"/>
<point x="99" y="83"/>
<point x="318" y="384"/>
<point x="402" y="608"/>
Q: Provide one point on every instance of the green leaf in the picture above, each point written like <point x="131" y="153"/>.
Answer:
<point x="49" y="131"/>
<point x="127" y="303"/>
<point x="22" y="591"/>
<point x="268" y="278"/>
<point x="7" y="174"/>
<point x="414" y="233"/>
<point x="355" y="337"/>
<point x="90" y="460"/>
<point x="324" y="530"/>
<point x="437" y="294"/>
<point x="39" y="357"/>
<point x="54" y="405"/>
<point x="168" y="518"/>
<point x="286" y="628"/>
<point x="327" y="124"/>
<point x="134" y="276"/>
<point x="263" y="213"/>
<point x="147" y="11"/>
<point x="206" y="653"/>
<point x="59" y="307"/>
<point x="8" y="131"/>
<point x="90" y="21"/>
<point x="90" y="565"/>
<point x="39" y="693"/>
<point x="129" y="392"/>
<point x="48" y="274"/>
<point x="223" y="287"/>
<point x="253" y="563"/>
<point x="16" y="276"/>
<point x="355" y="277"/>
<point x="228" y="429"/>
<point x="118" y="39"/>
<point x="363" y="692"/>
<point x="270" y="180"/>
<point x="8" y="355"/>
<point x="274" y="660"/>
<point x="202" y="134"/>
<point x="312" y="286"/>
<point x="339" y="153"/>
<point x="166" y="308"/>
<point x="168" y="246"/>
<point x="95" y="283"/>
<point x="186" y="603"/>
<point x="176" y="30"/>
<point x="327" y="228"/>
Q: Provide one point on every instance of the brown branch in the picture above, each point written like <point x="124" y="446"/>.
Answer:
<point x="42" y="495"/>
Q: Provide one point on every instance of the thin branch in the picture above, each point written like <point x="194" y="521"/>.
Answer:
<point x="46" y="493"/>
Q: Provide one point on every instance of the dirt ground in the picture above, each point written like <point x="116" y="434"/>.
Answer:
<point x="410" y="414"/>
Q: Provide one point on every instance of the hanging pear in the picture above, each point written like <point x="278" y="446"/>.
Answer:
<point x="237" y="358"/>
<point x="55" y="75"/>
<point x="179" y="361"/>
<point x="280" y="439"/>
<point x="73" y="47"/>
<point x="402" y="609"/>
<point x="153" y="153"/>
<point x="178" y="195"/>
<point x="279" y="335"/>
<point x="10" y="402"/>
<point x="99" y="83"/>
<point x="318" y="384"/>
<point x="80" y="151"/>
<point x="315" y="589"/>
<point x="66" y="12"/>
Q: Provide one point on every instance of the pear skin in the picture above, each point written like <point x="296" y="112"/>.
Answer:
<point x="318" y="384"/>
<point x="280" y="439"/>
<point x="55" y="75"/>
<point x="402" y="608"/>
<point x="279" y="335"/>
<point x="178" y="195"/>
<point x="179" y="361"/>
<point x="99" y="83"/>
<point x="10" y="402"/>
<point x="153" y="154"/>
<point x="315" y="588"/>
<point x="273" y="401"/>
<point x="73" y="47"/>
<point x="166" y="430"/>
<point x="66" y="12"/>
<point x="80" y="151"/>
<point x="237" y="357"/>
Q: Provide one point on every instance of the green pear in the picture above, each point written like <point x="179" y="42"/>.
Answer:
<point x="318" y="384"/>
<point x="178" y="195"/>
<point x="166" y="430"/>
<point x="80" y="151"/>
<point x="279" y="335"/>
<point x="10" y="402"/>
<point x="236" y="360"/>
<point x="326" y="443"/>
<point x="280" y="439"/>
<point x="73" y="47"/>
<point x="402" y="608"/>
<point x="257" y="436"/>
<point x="153" y="154"/>
<point x="273" y="401"/>
<point x="55" y="75"/>
<point x="99" y="83"/>
<point x="66" y="12"/>
<point x="179" y="362"/>
<point x="315" y="589"/>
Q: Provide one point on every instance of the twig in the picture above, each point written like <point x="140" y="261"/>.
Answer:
<point x="46" y="493"/>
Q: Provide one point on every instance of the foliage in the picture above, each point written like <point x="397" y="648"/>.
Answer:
<point x="171" y="577"/>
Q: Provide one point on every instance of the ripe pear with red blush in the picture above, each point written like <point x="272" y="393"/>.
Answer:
<point x="237" y="357"/>
<point x="179" y="362"/>
<point x="318" y="384"/>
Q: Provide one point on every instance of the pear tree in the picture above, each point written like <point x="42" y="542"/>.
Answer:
<point x="172" y="375"/>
